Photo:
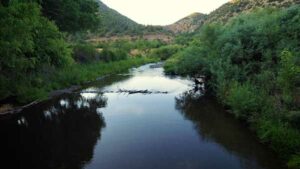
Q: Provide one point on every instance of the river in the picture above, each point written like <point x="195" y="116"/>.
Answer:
<point x="140" y="120"/>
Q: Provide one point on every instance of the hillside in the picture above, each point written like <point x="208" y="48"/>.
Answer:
<point x="224" y="13"/>
<point x="188" y="24"/>
<point x="235" y="7"/>
<point x="114" y="24"/>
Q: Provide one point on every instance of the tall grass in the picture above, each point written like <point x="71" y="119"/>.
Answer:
<point x="39" y="86"/>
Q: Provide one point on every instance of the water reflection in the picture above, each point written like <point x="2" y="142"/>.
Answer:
<point x="142" y="131"/>
<point x="60" y="134"/>
<point x="215" y="125"/>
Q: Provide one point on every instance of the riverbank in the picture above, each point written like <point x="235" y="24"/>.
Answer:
<point x="67" y="80"/>
<point x="257" y="78"/>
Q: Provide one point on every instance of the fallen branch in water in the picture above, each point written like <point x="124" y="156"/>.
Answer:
<point x="128" y="91"/>
<point x="18" y="109"/>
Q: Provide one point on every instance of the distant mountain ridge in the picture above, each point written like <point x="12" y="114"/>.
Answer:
<point x="224" y="13"/>
<point x="115" y="24"/>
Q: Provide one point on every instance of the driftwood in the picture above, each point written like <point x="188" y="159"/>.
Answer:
<point x="128" y="91"/>
<point x="64" y="91"/>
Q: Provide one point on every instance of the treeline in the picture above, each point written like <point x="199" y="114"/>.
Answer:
<point x="38" y="55"/>
<point x="252" y="64"/>
<point x="114" y="50"/>
<point x="154" y="49"/>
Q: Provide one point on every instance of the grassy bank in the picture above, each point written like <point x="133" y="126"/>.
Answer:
<point x="41" y="52"/>
<point x="252" y="65"/>
<point x="39" y="86"/>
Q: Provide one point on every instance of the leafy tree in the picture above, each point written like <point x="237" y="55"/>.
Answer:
<point x="165" y="52"/>
<point x="72" y="15"/>
<point x="288" y="76"/>
<point x="28" y="44"/>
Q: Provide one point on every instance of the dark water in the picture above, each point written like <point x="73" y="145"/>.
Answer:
<point x="89" y="130"/>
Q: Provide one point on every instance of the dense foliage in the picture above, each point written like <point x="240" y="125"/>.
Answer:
<point x="72" y="15"/>
<point x="29" y="43"/>
<point x="69" y="15"/>
<point x="252" y="64"/>
<point x="165" y="52"/>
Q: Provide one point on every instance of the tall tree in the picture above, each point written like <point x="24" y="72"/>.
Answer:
<point x="69" y="15"/>
<point x="72" y="15"/>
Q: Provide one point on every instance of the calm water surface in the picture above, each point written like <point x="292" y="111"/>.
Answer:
<point x="103" y="128"/>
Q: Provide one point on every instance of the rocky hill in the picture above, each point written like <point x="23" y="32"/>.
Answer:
<point x="224" y="13"/>
<point x="235" y="7"/>
<point x="188" y="24"/>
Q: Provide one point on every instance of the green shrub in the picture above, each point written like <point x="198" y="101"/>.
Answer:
<point x="244" y="100"/>
<point x="282" y="138"/>
<point x="288" y="76"/>
<point x="170" y="66"/>
<point x="84" y="53"/>
<point x="190" y="61"/>
<point x="108" y="55"/>
<point x="186" y="61"/>
<point x="165" y="52"/>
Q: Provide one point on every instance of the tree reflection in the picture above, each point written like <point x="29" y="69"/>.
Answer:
<point x="60" y="134"/>
<point x="215" y="125"/>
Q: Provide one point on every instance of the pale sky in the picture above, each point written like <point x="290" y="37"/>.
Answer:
<point x="161" y="12"/>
